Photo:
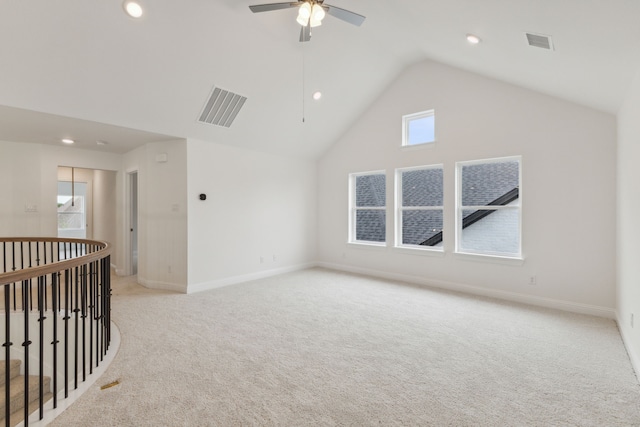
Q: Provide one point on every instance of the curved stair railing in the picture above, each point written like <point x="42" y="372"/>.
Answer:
<point x="56" y="297"/>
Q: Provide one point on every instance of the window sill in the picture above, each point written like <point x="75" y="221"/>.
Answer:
<point x="368" y="245"/>
<point x="494" y="259"/>
<point x="419" y="251"/>
<point x="417" y="146"/>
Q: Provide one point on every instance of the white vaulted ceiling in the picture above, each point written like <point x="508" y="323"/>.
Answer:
<point x="100" y="70"/>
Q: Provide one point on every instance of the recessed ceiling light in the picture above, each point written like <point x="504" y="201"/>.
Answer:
<point x="133" y="8"/>
<point x="473" y="39"/>
<point x="317" y="95"/>
<point x="68" y="141"/>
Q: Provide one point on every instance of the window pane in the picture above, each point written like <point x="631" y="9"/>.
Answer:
<point x="370" y="225"/>
<point x="65" y="204"/>
<point x="490" y="183"/>
<point x="421" y="130"/>
<point x="491" y="231"/>
<point x="422" y="227"/>
<point x="70" y="221"/>
<point x="371" y="190"/>
<point x="422" y="188"/>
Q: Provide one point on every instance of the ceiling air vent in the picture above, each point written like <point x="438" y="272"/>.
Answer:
<point x="539" y="40"/>
<point x="222" y="108"/>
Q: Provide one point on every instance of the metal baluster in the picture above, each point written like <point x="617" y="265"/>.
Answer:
<point x="76" y="309"/>
<point x="66" y="332"/>
<point x="83" y="306"/>
<point x="7" y="352"/>
<point x="54" y="300"/>
<point x="41" y="287"/>
<point x="26" y="344"/>
<point x="92" y="282"/>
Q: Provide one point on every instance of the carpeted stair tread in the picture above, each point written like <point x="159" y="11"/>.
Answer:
<point x="17" y="392"/>
<point x="14" y="369"/>
<point x="18" y="416"/>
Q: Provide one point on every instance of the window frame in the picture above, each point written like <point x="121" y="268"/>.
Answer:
<point x="353" y="209"/>
<point x="408" y="118"/>
<point x="459" y="208"/>
<point x="82" y="213"/>
<point x="400" y="208"/>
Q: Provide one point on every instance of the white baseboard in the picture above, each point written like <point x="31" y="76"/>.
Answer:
<point x="214" y="284"/>
<point x="633" y="355"/>
<point x="475" y="290"/>
<point x="164" y="286"/>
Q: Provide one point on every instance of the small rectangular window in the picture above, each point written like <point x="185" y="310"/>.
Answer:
<point x="368" y="203"/>
<point x="418" y="128"/>
<point x="420" y="200"/>
<point x="489" y="207"/>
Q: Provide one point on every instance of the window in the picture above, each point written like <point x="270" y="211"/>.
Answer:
<point x="489" y="207"/>
<point x="368" y="208"/>
<point x="418" y="128"/>
<point x="72" y="209"/>
<point x="419" y="207"/>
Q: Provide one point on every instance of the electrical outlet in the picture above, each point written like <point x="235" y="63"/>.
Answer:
<point x="274" y="258"/>
<point x="261" y="260"/>
<point x="632" y="320"/>
<point x="533" y="280"/>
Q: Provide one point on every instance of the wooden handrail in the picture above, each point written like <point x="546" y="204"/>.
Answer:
<point x="31" y="272"/>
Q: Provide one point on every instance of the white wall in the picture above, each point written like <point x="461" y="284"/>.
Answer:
<point x="104" y="206"/>
<point x="29" y="176"/>
<point x="628" y="233"/>
<point x="162" y="214"/>
<point x="258" y="207"/>
<point x="568" y="187"/>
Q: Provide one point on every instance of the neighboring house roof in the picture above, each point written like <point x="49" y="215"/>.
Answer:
<point x="371" y="224"/>
<point x="483" y="185"/>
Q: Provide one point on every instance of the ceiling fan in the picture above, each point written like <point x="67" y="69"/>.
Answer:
<point x="311" y="13"/>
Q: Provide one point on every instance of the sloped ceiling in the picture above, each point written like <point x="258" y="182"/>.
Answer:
<point x="89" y="63"/>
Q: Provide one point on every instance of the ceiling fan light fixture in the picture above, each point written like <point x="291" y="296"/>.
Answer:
<point x="302" y="21"/>
<point x="317" y="15"/>
<point x="304" y="13"/>
<point x="314" y="22"/>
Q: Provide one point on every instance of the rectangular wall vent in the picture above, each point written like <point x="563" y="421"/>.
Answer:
<point x="222" y="107"/>
<point x="539" y="40"/>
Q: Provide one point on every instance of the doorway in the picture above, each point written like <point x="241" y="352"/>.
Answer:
<point x="133" y="221"/>
<point x="86" y="204"/>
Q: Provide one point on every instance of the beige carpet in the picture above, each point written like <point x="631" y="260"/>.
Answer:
<point x="324" y="348"/>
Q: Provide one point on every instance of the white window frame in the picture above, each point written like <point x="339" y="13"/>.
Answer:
<point x="400" y="209"/>
<point x="353" y="209"/>
<point x="407" y="119"/>
<point x="78" y="198"/>
<point x="460" y="209"/>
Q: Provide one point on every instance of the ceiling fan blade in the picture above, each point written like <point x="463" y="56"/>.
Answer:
<point x="345" y="15"/>
<point x="305" y="33"/>
<point x="273" y="6"/>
